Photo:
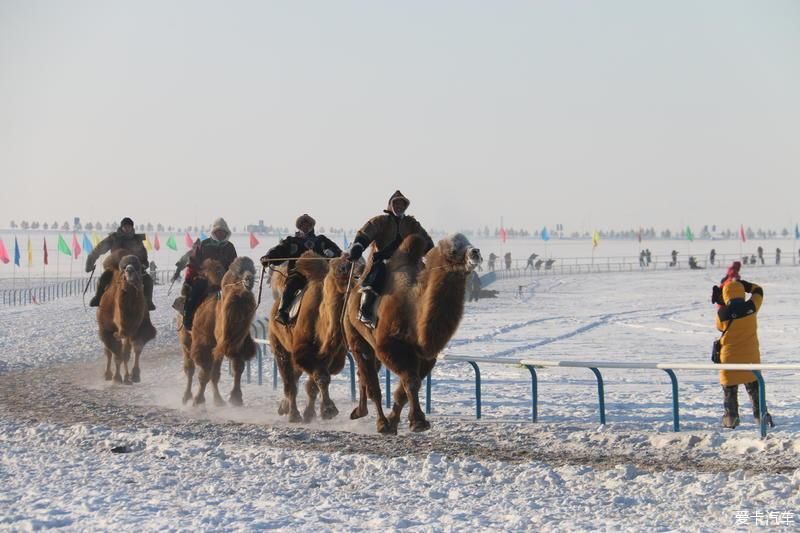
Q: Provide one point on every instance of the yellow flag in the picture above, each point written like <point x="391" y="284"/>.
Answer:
<point x="147" y="245"/>
<point x="595" y="239"/>
<point x="30" y="253"/>
<point x="95" y="239"/>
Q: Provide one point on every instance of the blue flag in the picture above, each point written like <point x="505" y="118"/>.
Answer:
<point x="203" y="235"/>
<point x="796" y="231"/>
<point x="545" y="234"/>
<point x="87" y="244"/>
<point x="16" y="252"/>
<point x="345" y="241"/>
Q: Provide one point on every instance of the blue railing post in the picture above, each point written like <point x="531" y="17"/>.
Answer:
<point x="428" y="393"/>
<point x="534" y="393"/>
<point x="477" y="389"/>
<point x="274" y="372"/>
<point x="676" y="425"/>
<point x="388" y="387"/>
<point x="601" y="395"/>
<point x="762" y="402"/>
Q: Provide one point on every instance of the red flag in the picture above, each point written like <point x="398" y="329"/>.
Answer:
<point x="503" y="234"/>
<point x="4" y="253"/>
<point x="253" y="241"/>
<point x="45" y="250"/>
<point x="156" y="243"/>
<point x="741" y="233"/>
<point x="76" y="248"/>
<point x="188" y="240"/>
<point x="640" y="235"/>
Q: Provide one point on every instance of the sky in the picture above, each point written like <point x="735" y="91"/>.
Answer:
<point x="610" y="114"/>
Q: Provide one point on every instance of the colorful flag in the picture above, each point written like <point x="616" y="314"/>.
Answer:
<point x="545" y="234"/>
<point x="30" y="253"/>
<point x="345" y="241"/>
<point x="503" y="234"/>
<point x="156" y="243"/>
<point x="16" y="252"/>
<point x="741" y="233"/>
<point x="87" y="244"/>
<point x="76" y="248"/>
<point x="797" y="231"/>
<point x="187" y="239"/>
<point x="95" y="239"/>
<point x="253" y="241"/>
<point x="3" y="252"/>
<point x="689" y="234"/>
<point x="595" y="239"/>
<point x="147" y="245"/>
<point x="45" y="250"/>
<point x="203" y="235"/>
<point x="63" y="247"/>
<point x="171" y="244"/>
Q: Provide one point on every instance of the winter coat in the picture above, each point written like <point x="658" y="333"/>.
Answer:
<point x="223" y="251"/>
<point x="386" y="232"/>
<point x="740" y="342"/>
<point x="132" y="242"/>
<point x="295" y="245"/>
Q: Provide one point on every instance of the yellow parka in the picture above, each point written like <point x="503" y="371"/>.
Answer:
<point x="740" y="342"/>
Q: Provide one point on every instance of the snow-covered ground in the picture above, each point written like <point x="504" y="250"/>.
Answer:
<point x="226" y="468"/>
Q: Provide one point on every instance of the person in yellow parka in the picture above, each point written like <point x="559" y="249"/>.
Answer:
<point x="737" y="320"/>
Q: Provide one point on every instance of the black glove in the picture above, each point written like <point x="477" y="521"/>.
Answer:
<point x="748" y="287"/>
<point x="716" y="295"/>
<point x="176" y="275"/>
<point x="354" y="254"/>
<point x="265" y="261"/>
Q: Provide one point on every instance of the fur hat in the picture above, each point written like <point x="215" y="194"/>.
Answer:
<point x="395" y="196"/>
<point x="221" y="224"/>
<point x="126" y="220"/>
<point x="733" y="290"/>
<point x="305" y="219"/>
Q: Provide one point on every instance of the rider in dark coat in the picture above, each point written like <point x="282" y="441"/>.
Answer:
<point x="293" y="247"/>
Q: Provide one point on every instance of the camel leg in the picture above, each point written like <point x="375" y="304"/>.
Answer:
<point x="109" y="355"/>
<point x="236" y="391"/>
<point x="400" y="397"/>
<point x="126" y="357"/>
<point x="327" y="408"/>
<point x="188" y="369"/>
<point x="216" y="371"/>
<point x="373" y="387"/>
<point x="403" y="359"/>
<point x="136" y="373"/>
<point x="203" y="377"/>
<point x="310" y="412"/>
<point x="290" y="377"/>
<point x="416" y="417"/>
<point x="364" y="360"/>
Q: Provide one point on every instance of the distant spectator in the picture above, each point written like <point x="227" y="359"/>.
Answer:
<point x="507" y="259"/>
<point x="531" y="259"/>
<point x="648" y="256"/>
<point x="474" y="286"/>
<point x="753" y="260"/>
<point x="760" y="251"/>
<point x="538" y="264"/>
<point x="549" y="264"/>
<point x="492" y="259"/>
<point x="674" y="258"/>
<point x="693" y="263"/>
<point x="712" y="255"/>
<point x="777" y="256"/>
<point x="642" y="258"/>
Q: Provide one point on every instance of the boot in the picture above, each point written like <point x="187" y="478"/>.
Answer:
<point x="102" y="284"/>
<point x="196" y="294"/>
<point x="731" y="404"/>
<point x="147" y="285"/>
<point x="287" y="298"/>
<point x="752" y="391"/>
<point x="366" y="311"/>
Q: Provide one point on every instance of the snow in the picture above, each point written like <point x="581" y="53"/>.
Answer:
<point x="227" y="468"/>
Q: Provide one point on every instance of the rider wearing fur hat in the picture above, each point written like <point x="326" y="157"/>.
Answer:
<point x="125" y="238"/>
<point x="293" y="247"/>
<point x="384" y="233"/>
<point x="217" y="247"/>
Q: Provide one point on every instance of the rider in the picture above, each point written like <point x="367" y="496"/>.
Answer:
<point x="291" y="248"/>
<point x="125" y="238"/>
<point x="216" y="247"/>
<point x="385" y="233"/>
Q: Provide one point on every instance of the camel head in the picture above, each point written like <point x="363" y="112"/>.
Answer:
<point x="456" y="252"/>
<point x="243" y="271"/>
<point x="131" y="269"/>
<point x="212" y="270"/>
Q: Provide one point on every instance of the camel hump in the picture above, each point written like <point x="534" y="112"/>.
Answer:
<point x="213" y="271"/>
<point x="112" y="260"/>
<point x="413" y="247"/>
<point x="311" y="266"/>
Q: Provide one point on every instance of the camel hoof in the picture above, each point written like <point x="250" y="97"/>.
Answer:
<point x="419" y="426"/>
<point x="127" y="380"/>
<point x="186" y="397"/>
<point x="309" y="415"/>
<point x="136" y="375"/>
<point x="108" y="375"/>
<point x="219" y="402"/>
<point x="117" y="378"/>
<point x="235" y="400"/>
<point x="329" y="411"/>
<point x="358" y="413"/>
<point x="295" y="417"/>
<point x="283" y="408"/>
<point x="198" y="401"/>
<point x="386" y="428"/>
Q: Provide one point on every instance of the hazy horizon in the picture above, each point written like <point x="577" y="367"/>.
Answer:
<point x="608" y="115"/>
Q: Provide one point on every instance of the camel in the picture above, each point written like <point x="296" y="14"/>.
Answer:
<point x="122" y="317"/>
<point x="314" y="343"/>
<point x="419" y="312"/>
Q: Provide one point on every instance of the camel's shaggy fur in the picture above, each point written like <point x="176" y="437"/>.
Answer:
<point x="314" y="343"/>
<point x="122" y="317"/>
<point x="418" y="314"/>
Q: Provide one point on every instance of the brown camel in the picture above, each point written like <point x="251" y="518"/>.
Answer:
<point x="122" y="316"/>
<point x="419" y="312"/>
<point x="221" y="328"/>
<point x="314" y="343"/>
